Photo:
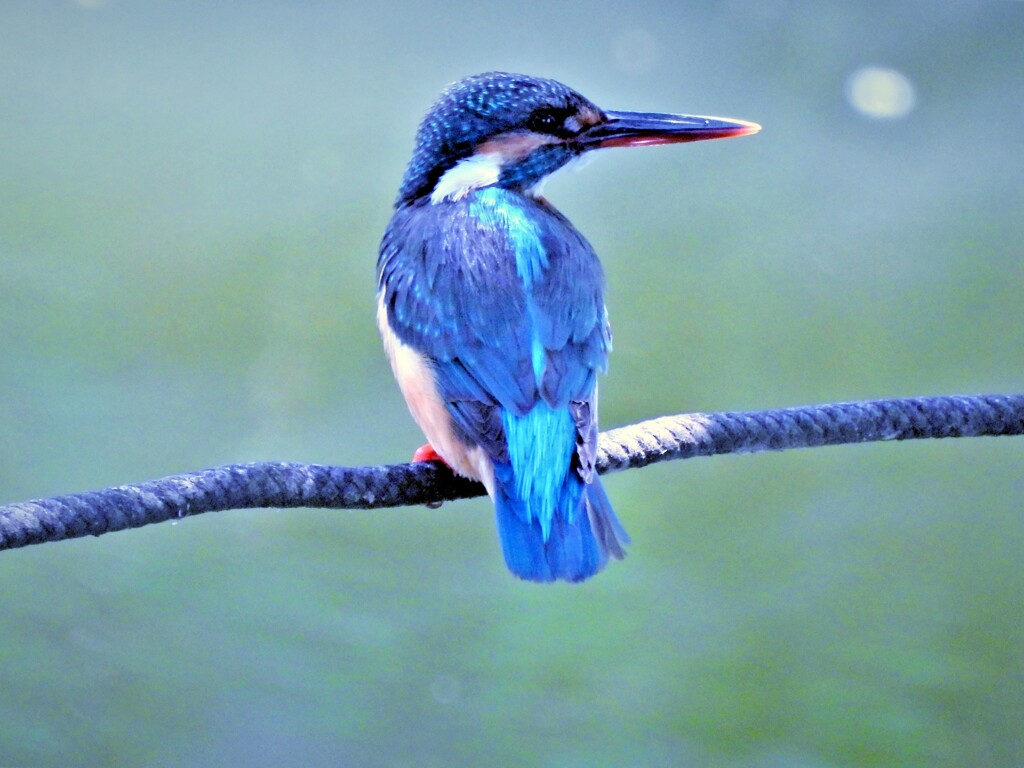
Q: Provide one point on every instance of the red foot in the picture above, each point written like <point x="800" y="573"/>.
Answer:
<point x="427" y="453"/>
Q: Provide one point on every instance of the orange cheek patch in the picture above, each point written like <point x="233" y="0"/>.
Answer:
<point x="589" y="117"/>
<point x="513" y="147"/>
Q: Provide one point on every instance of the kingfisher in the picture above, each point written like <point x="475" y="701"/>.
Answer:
<point x="491" y="308"/>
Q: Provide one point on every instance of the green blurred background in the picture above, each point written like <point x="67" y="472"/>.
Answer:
<point x="191" y="197"/>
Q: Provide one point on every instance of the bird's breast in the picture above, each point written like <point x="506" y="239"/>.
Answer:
<point x="417" y="381"/>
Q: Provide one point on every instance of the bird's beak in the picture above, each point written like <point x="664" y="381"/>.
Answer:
<point x="635" y="129"/>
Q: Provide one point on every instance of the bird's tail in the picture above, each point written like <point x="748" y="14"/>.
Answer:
<point x="582" y="534"/>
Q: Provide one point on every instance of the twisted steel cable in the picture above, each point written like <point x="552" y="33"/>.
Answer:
<point x="283" y="484"/>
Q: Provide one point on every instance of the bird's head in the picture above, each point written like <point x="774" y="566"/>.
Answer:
<point x="512" y="131"/>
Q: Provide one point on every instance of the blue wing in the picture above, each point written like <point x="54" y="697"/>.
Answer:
<point x="505" y="298"/>
<point x="452" y="292"/>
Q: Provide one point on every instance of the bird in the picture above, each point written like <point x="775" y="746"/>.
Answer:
<point x="491" y="308"/>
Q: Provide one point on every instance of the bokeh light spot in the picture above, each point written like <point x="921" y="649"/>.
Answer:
<point x="446" y="689"/>
<point x="880" y="93"/>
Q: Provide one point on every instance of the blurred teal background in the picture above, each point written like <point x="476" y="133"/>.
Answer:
<point x="191" y="197"/>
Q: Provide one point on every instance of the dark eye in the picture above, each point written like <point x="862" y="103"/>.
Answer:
<point x="547" y="121"/>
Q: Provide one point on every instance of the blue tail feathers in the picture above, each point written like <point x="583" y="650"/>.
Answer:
<point x="579" y="543"/>
<point x="553" y="524"/>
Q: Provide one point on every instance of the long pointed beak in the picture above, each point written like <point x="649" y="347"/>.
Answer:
<point x="635" y="129"/>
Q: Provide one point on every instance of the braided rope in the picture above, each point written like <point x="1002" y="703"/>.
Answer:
<point x="281" y="484"/>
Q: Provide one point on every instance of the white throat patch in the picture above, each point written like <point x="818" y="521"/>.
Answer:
<point x="480" y="170"/>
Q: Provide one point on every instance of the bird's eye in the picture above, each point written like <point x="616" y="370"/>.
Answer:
<point x="546" y="121"/>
